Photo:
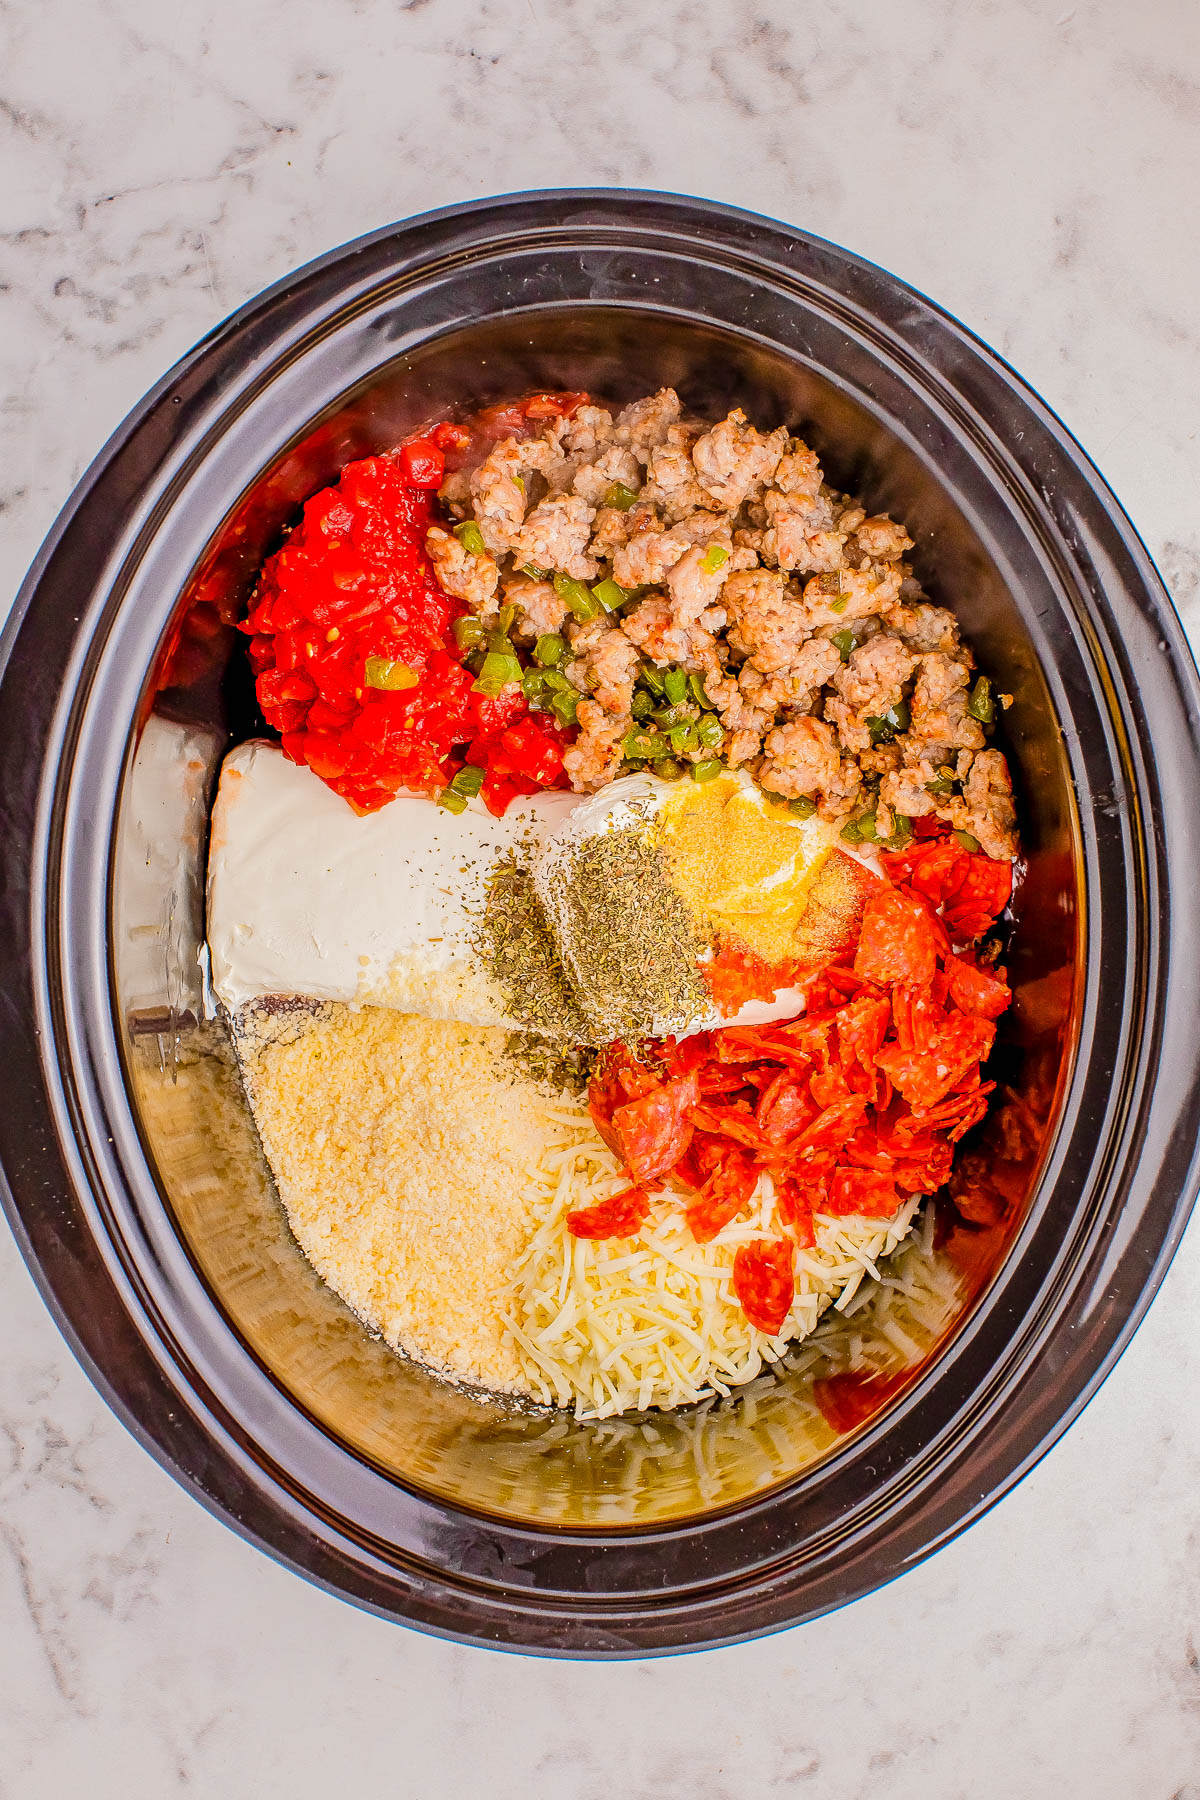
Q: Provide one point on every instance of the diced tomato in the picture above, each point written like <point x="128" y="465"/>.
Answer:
<point x="422" y="463"/>
<point x="764" y="1283"/>
<point x="352" y="586"/>
<point x="449" y="437"/>
<point x="552" y="406"/>
<point x="621" y="1215"/>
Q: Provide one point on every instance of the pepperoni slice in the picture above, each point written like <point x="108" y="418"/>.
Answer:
<point x="619" y="1078"/>
<point x="731" y="1122"/>
<point x="917" y="1016"/>
<point x="861" y="1028"/>
<point x="829" y="1087"/>
<point x="785" y="1109"/>
<point x="897" y="942"/>
<point x="622" y="1215"/>
<point x="925" y="1077"/>
<point x="974" y="990"/>
<point x="727" y="1191"/>
<point x="865" y="1193"/>
<point x="652" y="1133"/>
<point x="834" y="1127"/>
<point x="764" y="1284"/>
<point x="980" y="898"/>
<point x="797" y="1201"/>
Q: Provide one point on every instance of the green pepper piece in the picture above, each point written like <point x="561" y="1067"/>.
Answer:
<point x="714" y="558"/>
<point x="537" y="690"/>
<point x="699" y="691"/>
<point x="382" y="673"/>
<point x="802" y="806"/>
<point x="675" y="686"/>
<point x="651" y="677"/>
<point x="941" y="787"/>
<point x="534" y="573"/>
<point x="882" y="731"/>
<point x="550" y="650"/>
<point x="669" y="768"/>
<point x="967" y="840"/>
<point x="469" y="631"/>
<point x="642" y="746"/>
<point x="470" y="537"/>
<point x="455" y="803"/>
<point x="839" y="606"/>
<point x="675" y="715"/>
<point x="619" y="496"/>
<point x="710" y="731"/>
<point x="642" y="704"/>
<point x="564" y="706"/>
<point x="498" y="670"/>
<point x="683" y="737"/>
<point x="981" y="705"/>
<point x="557" y="682"/>
<point x="610" y="594"/>
<point x="867" y="831"/>
<point x="468" y="781"/>
<point x="899" y="715"/>
<point x="577" y="597"/>
<point x="902" y="831"/>
<point x="844" y="642"/>
<point x="707" y="769"/>
<point x="849" y="832"/>
<point x="474" y="658"/>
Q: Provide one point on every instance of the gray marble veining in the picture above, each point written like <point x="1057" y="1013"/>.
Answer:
<point x="1035" y="168"/>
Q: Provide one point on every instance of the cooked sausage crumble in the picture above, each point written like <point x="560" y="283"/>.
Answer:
<point x="719" y="551"/>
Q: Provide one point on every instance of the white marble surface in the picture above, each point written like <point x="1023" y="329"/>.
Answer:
<point x="1034" y="167"/>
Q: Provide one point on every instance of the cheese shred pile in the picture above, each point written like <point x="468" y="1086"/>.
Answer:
<point x="623" y="1324"/>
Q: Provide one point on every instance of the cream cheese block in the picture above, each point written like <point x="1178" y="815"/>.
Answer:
<point x="305" y="897"/>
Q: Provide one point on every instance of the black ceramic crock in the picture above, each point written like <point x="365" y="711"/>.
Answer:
<point x="133" y="1179"/>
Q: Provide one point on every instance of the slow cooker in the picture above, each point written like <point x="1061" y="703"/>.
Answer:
<point x="133" y="1177"/>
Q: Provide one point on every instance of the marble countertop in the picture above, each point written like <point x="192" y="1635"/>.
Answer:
<point x="1032" y="167"/>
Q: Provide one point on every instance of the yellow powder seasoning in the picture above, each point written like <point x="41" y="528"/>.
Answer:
<point x="744" y="863"/>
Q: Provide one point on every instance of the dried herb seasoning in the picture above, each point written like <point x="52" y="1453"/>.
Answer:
<point x="517" y="948"/>
<point x="562" y="1066"/>
<point x="629" y="940"/>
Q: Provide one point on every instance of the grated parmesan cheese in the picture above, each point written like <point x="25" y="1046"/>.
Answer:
<point x="401" y="1148"/>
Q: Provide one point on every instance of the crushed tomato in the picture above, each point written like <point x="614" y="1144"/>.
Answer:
<point x="352" y="586"/>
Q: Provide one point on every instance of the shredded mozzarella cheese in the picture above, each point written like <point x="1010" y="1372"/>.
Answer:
<point x="623" y="1324"/>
